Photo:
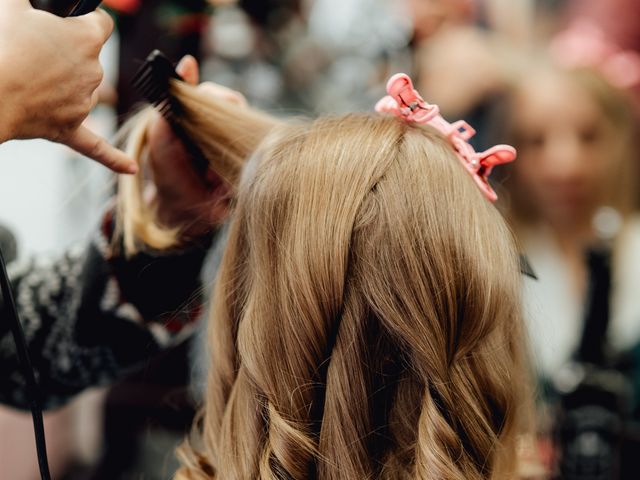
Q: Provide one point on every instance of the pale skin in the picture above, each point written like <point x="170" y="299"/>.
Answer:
<point x="50" y="75"/>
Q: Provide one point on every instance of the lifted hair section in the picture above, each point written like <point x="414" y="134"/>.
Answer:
<point x="226" y="134"/>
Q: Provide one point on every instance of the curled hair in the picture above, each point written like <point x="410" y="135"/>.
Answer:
<point x="365" y="320"/>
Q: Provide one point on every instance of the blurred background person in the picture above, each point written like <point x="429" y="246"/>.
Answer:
<point x="573" y="118"/>
<point x="575" y="138"/>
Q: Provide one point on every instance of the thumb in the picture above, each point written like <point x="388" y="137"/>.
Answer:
<point x="188" y="69"/>
<point x="87" y="143"/>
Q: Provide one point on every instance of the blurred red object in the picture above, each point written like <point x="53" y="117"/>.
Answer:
<point x="124" y="6"/>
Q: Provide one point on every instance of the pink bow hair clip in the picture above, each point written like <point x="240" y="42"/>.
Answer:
<point x="406" y="103"/>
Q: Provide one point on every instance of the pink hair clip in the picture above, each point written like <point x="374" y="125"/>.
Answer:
<point x="405" y="102"/>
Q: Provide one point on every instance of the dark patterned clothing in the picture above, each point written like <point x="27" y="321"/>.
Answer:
<point x="92" y="316"/>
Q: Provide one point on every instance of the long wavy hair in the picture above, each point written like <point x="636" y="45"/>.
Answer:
<point x="365" y="319"/>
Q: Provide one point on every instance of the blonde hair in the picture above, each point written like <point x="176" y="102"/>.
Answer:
<point x="366" y="319"/>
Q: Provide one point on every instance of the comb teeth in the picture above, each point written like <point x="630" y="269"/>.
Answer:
<point x="152" y="81"/>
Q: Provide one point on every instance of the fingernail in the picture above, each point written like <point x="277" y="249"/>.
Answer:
<point x="181" y="63"/>
<point x="132" y="168"/>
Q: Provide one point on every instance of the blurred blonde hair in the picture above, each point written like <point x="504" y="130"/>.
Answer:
<point x="365" y="319"/>
<point x="620" y="187"/>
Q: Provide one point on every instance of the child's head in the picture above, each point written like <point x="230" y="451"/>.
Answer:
<point x="365" y="320"/>
<point x="574" y="135"/>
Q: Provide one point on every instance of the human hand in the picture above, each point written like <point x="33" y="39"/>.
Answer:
<point x="50" y="73"/>
<point x="182" y="198"/>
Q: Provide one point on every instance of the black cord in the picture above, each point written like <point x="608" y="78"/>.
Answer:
<point x="9" y="307"/>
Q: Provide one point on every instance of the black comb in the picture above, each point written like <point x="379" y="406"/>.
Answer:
<point x="152" y="81"/>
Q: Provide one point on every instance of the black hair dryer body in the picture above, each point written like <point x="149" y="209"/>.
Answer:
<point x="64" y="8"/>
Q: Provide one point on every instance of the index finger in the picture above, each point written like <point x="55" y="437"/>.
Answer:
<point x="87" y="143"/>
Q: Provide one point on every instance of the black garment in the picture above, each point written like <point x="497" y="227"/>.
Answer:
<point x="92" y="316"/>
